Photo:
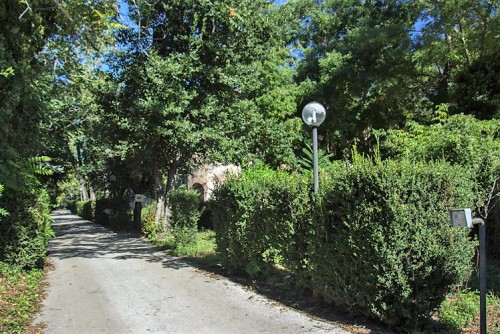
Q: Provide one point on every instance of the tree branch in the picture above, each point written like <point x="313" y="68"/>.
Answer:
<point x="27" y="8"/>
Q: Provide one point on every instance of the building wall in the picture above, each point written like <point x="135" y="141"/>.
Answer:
<point x="207" y="176"/>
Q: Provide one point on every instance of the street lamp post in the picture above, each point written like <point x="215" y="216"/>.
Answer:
<point x="313" y="115"/>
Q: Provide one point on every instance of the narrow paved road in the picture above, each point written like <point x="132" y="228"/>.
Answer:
<point x="105" y="282"/>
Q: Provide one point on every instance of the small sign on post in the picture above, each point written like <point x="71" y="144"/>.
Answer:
<point x="139" y="198"/>
<point x="461" y="218"/>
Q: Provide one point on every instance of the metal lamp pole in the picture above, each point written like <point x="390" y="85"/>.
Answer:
<point x="313" y="115"/>
<point x="315" y="159"/>
<point x="482" y="273"/>
<point x="463" y="218"/>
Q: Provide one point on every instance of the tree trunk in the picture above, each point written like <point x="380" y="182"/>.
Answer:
<point x="160" y="197"/>
<point x="92" y="193"/>
<point x="172" y="171"/>
<point x="84" y="194"/>
<point x="137" y="215"/>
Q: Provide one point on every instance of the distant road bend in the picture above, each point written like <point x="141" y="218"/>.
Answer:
<point x="103" y="282"/>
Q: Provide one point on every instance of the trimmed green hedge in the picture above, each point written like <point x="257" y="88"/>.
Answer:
<point x="85" y="209"/>
<point x="383" y="246"/>
<point x="113" y="212"/>
<point x="376" y="240"/>
<point x="184" y="205"/>
<point x="263" y="217"/>
<point x="71" y="206"/>
<point x="463" y="141"/>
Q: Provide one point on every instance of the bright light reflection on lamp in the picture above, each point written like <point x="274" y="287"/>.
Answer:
<point x="313" y="114"/>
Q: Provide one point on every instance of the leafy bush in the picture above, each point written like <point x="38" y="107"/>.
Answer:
<point x="24" y="234"/>
<point x="383" y="246"/>
<point x="462" y="141"/>
<point x="379" y="244"/>
<point x="71" y="206"/>
<point x="3" y="212"/>
<point x="263" y="217"/>
<point x="204" y="245"/>
<point x="85" y="209"/>
<point x="185" y="209"/>
<point x="460" y="311"/>
<point x="148" y="226"/>
<point x="113" y="212"/>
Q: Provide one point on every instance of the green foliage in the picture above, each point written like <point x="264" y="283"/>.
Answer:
<point x="460" y="311"/>
<point x="34" y="37"/>
<point x="462" y="141"/>
<point x="25" y="234"/>
<point x="3" y="212"/>
<point x="185" y="209"/>
<point x="459" y="66"/>
<point x="113" y="212"/>
<point x="85" y="209"/>
<point x="357" y="63"/>
<point x="20" y="293"/>
<point x="376" y="64"/>
<point x="68" y="192"/>
<point x="148" y="226"/>
<point x="184" y="88"/>
<point x="40" y="165"/>
<point x="71" y="206"/>
<point x="7" y="72"/>
<point x="263" y="217"/>
<point x="376" y="240"/>
<point x="383" y="245"/>
<point x="204" y="245"/>
<point x="306" y="163"/>
<point x="478" y="89"/>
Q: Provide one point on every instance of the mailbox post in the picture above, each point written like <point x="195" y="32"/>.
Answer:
<point x="463" y="218"/>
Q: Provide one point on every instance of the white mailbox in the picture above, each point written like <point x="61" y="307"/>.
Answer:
<point x="461" y="218"/>
<point x="139" y="198"/>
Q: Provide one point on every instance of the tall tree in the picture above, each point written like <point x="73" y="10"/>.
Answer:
<point x="357" y="62"/>
<point x="457" y="55"/>
<point x="28" y="31"/>
<point x="204" y="80"/>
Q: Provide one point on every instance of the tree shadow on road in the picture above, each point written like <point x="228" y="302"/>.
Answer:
<point x="80" y="238"/>
<point x="76" y="237"/>
<point x="283" y="288"/>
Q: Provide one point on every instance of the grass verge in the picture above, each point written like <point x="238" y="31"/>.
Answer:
<point x="20" y="294"/>
<point x="203" y="244"/>
<point x="460" y="312"/>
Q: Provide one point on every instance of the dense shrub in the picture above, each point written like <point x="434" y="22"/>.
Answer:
<point x="459" y="312"/>
<point x="85" y="209"/>
<point x="263" y="217"/>
<point x="3" y="212"/>
<point x="462" y="141"/>
<point x="71" y="206"/>
<point x="113" y="212"/>
<point x="25" y="233"/>
<point x="379" y="242"/>
<point x="148" y="226"/>
<point x="185" y="211"/>
<point x="383" y="246"/>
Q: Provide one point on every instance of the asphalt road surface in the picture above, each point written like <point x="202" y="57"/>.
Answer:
<point x="105" y="282"/>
